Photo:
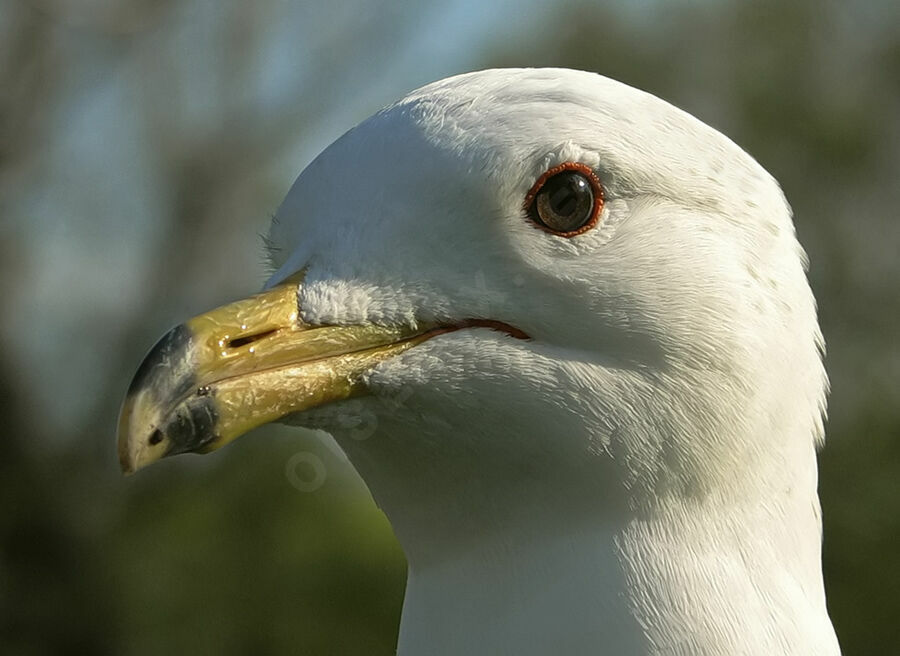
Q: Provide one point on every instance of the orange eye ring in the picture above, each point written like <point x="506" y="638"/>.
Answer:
<point x="585" y="213"/>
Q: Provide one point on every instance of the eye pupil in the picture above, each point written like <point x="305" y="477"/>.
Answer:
<point x="565" y="202"/>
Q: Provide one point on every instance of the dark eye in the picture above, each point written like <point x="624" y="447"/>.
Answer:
<point x="566" y="200"/>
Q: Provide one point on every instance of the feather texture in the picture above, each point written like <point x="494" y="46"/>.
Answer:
<point x="640" y="476"/>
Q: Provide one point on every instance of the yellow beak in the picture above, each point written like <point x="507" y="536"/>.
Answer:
<point x="220" y="374"/>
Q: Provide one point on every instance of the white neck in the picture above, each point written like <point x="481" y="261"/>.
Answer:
<point x="525" y="537"/>
<point x="543" y="595"/>
<point x="621" y="590"/>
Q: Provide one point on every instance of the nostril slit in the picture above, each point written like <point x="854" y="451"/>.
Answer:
<point x="237" y="342"/>
<point x="155" y="437"/>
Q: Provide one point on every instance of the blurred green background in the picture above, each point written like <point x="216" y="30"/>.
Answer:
<point x="144" y="144"/>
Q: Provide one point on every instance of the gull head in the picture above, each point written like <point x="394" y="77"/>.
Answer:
<point x="531" y="305"/>
<point x="672" y="348"/>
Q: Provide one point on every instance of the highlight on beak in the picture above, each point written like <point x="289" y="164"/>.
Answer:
<point x="220" y="374"/>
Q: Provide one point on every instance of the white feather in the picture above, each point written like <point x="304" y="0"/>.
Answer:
<point x="640" y="476"/>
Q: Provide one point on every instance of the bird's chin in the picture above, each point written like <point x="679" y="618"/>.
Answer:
<point x="352" y="419"/>
<point x="405" y="391"/>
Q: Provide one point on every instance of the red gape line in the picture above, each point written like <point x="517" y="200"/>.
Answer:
<point x="596" y="187"/>
<point x="493" y="324"/>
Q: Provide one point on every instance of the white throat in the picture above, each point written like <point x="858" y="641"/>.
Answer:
<point x="701" y="576"/>
<point x="542" y="594"/>
<point x="520" y="559"/>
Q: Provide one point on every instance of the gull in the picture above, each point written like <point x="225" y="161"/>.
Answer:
<point x="580" y="320"/>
